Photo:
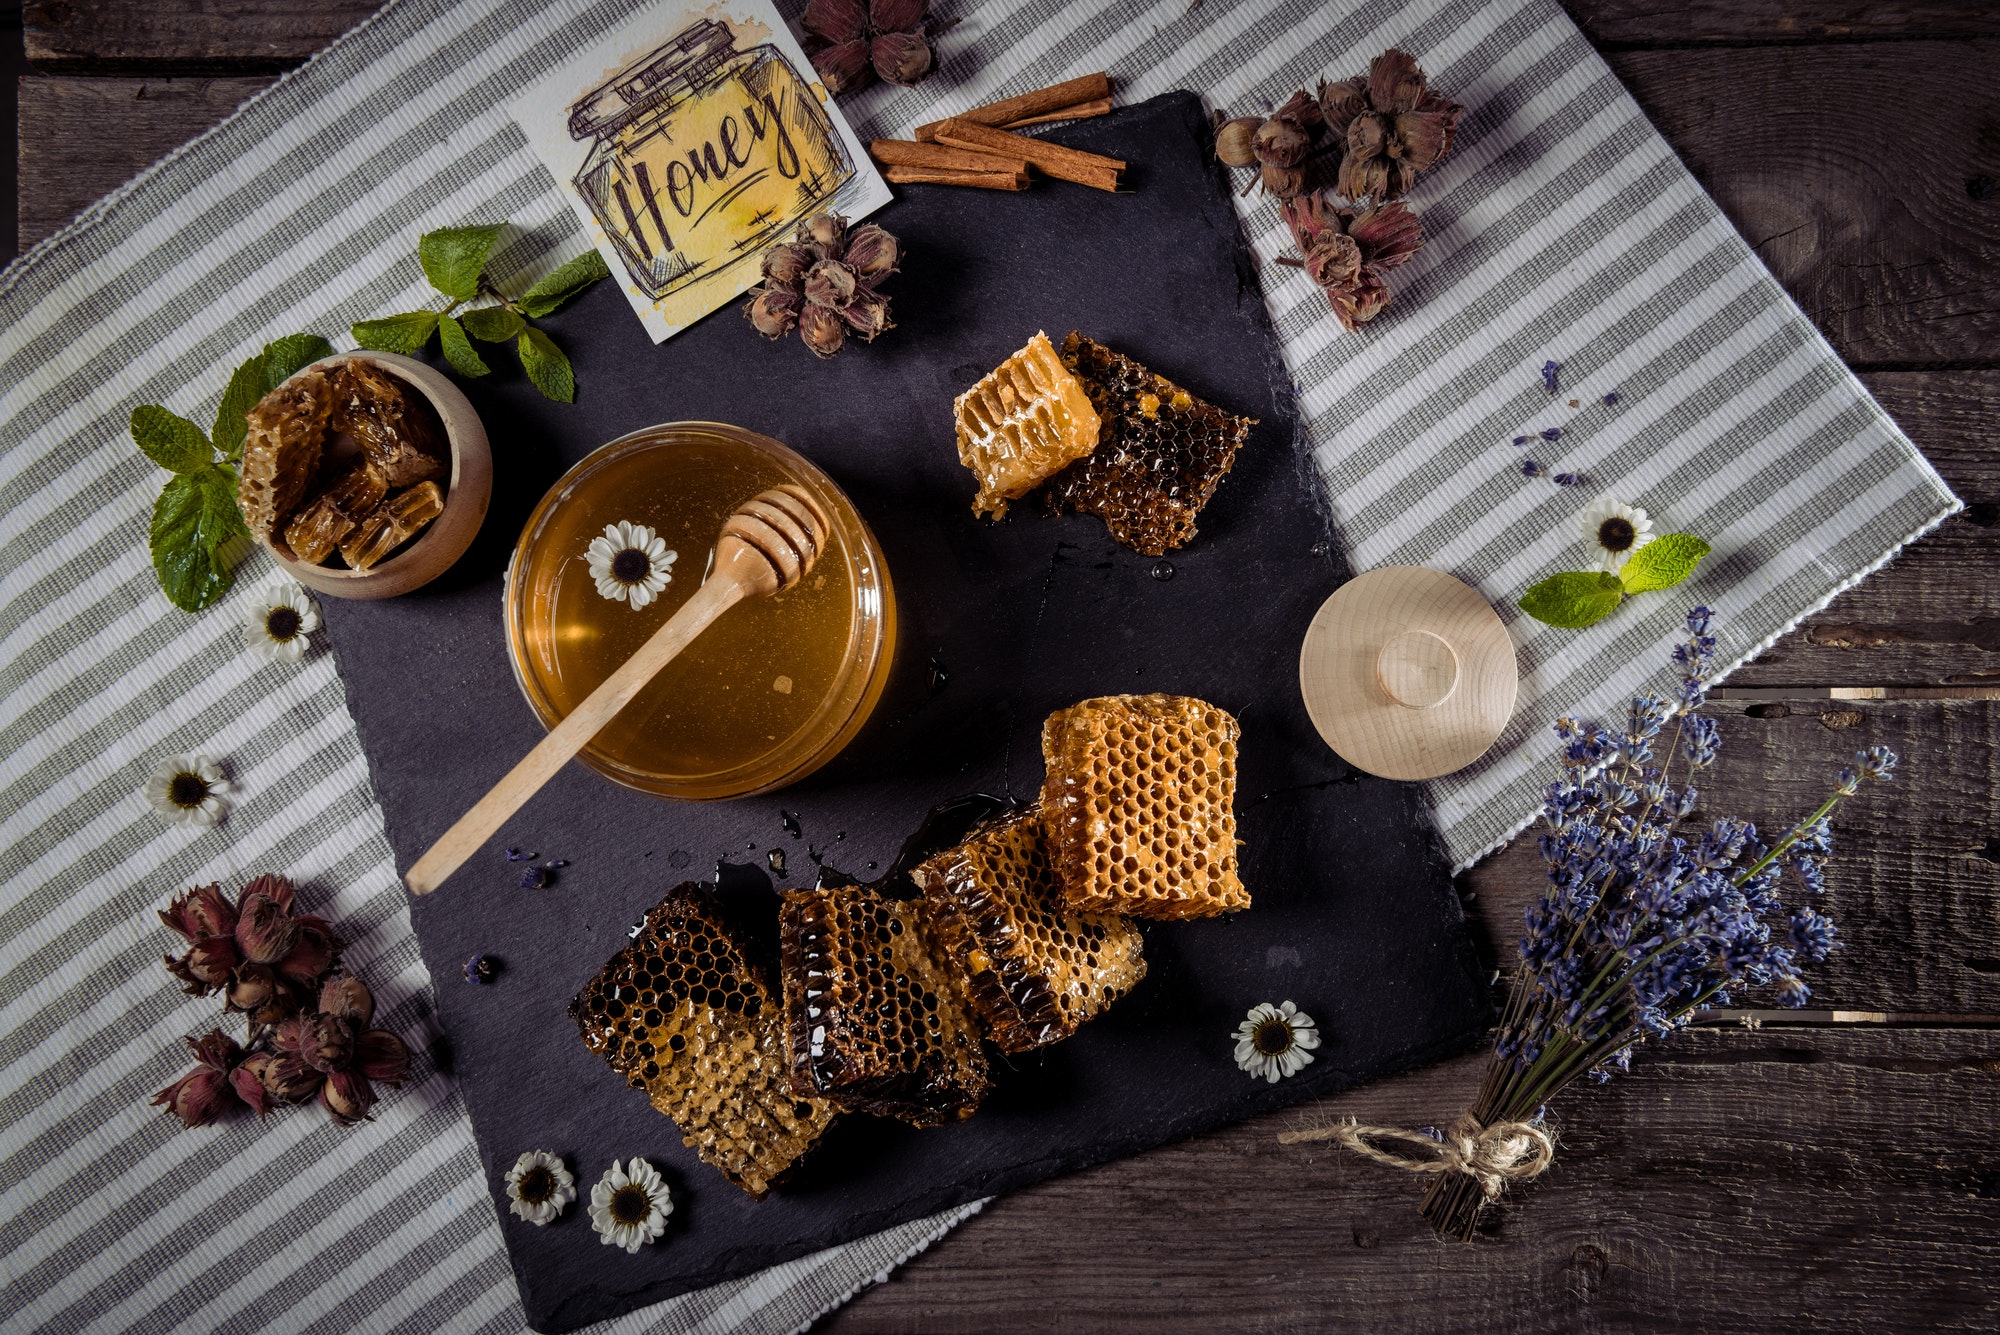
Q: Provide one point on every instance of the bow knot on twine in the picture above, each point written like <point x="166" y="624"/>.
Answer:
<point x="1492" y="1155"/>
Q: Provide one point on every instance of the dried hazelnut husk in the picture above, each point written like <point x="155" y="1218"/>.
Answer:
<point x="1284" y="182"/>
<point x="774" y="312"/>
<point x="827" y="231"/>
<point x="380" y="1055"/>
<point x="202" y="911"/>
<point x="1348" y="250"/>
<point x="1280" y="142"/>
<point x="1391" y="124"/>
<point x="288" y="1079"/>
<point x="347" y="1097"/>
<point x="265" y="929"/>
<point x="852" y="44"/>
<point x="822" y="329"/>
<point x="349" y="998"/>
<point x="901" y="57"/>
<point x="831" y="283"/>
<point x="248" y="1081"/>
<point x="1233" y="141"/>
<point x="872" y="253"/>
<point x="326" y="1041"/>
<point x="867" y="315"/>
<point x="251" y="988"/>
<point x="785" y="263"/>
<point x="204" y="1093"/>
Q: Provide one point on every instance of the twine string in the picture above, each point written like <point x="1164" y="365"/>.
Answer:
<point x="1492" y="1155"/>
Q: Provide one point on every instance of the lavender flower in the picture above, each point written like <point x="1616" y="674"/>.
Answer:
<point x="1569" y="479"/>
<point x="1611" y="399"/>
<point x="1550" y="372"/>
<point x="1529" y="468"/>
<point x="1553" y="433"/>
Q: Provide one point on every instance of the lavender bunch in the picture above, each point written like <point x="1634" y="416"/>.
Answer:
<point x="1645" y="925"/>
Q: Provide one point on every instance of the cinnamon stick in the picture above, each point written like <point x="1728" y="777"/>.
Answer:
<point x="1081" y="111"/>
<point x="945" y="176"/>
<point x="1066" y="164"/>
<point x="1089" y="88"/>
<point x="906" y="153"/>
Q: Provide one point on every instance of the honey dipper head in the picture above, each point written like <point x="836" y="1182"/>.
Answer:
<point x="773" y="539"/>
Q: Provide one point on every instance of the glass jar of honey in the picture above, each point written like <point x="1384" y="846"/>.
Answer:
<point x="703" y="156"/>
<point x="762" y="698"/>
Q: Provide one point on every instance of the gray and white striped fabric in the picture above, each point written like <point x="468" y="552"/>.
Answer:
<point x="1561" y="228"/>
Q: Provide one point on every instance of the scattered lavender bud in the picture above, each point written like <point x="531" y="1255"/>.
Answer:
<point x="479" y="969"/>
<point x="1529" y="468"/>
<point x="1611" y="399"/>
<point x="534" y="878"/>
<point x="1569" y="479"/>
<point x="1550" y="370"/>
<point x="559" y="862"/>
<point x="1522" y="440"/>
<point x="1553" y="433"/>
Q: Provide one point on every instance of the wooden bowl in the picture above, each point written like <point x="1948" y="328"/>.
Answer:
<point x="470" y="487"/>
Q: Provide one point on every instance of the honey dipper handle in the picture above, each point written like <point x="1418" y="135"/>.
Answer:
<point x="570" y="736"/>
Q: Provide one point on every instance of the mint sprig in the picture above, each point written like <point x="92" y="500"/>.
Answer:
<point x="1578" y="598"/>
<point x="454" y="260"/>
<point x="197" y="533"/>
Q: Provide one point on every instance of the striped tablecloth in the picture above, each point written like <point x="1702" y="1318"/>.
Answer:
<point x="1561" y="228"/>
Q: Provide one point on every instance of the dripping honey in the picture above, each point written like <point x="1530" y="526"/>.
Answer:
<point x="764" y="695"/>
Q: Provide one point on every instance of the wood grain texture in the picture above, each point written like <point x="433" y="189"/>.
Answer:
<point x="186" y="36"/>
<point x="1932" y="617"/>
<point x="1684" y="22"/>
<point x="1873" y="222"/>
<point x="82" y="138"/>
<point x="1736" y="1181"/>
<point x="1915" y="874"/>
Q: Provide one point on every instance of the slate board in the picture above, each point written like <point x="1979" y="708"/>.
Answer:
<point x="1354" y="918"/>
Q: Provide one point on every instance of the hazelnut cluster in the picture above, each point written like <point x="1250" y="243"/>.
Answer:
<point x="854" y="42"/>
<point x="822" y="283"/>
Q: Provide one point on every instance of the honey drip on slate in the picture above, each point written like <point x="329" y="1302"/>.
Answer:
<point x="719" y="705"/>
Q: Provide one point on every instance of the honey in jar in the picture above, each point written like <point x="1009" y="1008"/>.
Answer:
<point x="770" y="691"/>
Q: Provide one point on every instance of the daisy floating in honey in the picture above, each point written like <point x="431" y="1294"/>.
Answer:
<point x="631" y="563"/>
<point x="1275" y="1041"/>
<point x="187" y="790"/>
<point x="538" y="1187"/>
<point x="629" y="1205"/>
<point x="278" y="622"/>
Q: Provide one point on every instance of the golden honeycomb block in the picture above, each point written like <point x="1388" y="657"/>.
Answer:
<point x="1161" y="454"/>
<point x="876" y="1021"/>
<point x="1023" y="423"/>
<point x="391" y="421"/>
<point x="683" y="1015"/>
<point x="391" y="524"/>
<point x="316" y="528"/>
<point x="285" y="434"/>
<point x="1035" y="971"/>
<point x="1139" y="801"/>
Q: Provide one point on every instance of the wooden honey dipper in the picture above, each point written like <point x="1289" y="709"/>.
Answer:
<point x="767" y="546"/>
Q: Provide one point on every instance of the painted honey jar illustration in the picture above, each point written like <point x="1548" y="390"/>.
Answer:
<point x="703" y="155"/>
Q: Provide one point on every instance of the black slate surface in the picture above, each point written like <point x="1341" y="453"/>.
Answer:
<point x="1354" y="915"/>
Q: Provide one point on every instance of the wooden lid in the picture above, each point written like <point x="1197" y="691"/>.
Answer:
<point x="1407" y="673"/>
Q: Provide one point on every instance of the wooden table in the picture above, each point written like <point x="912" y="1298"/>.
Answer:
<point x="1838" y="1168"/>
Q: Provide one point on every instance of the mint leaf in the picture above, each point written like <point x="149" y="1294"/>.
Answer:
<point x="458" y="348"/>
<point x="1574" y="598"/>
<point x="194" y="519"/>
<point x="290" y="354"/>
<point x="546" y="366"/>
<point x="172" y="442"/>
<point x="245" y="388"/>
<point x="491" y="324"/>
<point x="1663" y="562"/>
<point x="454" y="257"/>
<point x="568" y="280"/>
<point x="397" y="333"/>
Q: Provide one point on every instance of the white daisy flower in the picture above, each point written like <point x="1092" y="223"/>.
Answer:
<point x="539" y="1187"/>
<point x="276" y="622"/>
<point x="629" y="1205"/>
<point x="1274" y="1041"/>
<point x="186" y="790"/>
<point x="1616" y="530"/>
<point x="631" y="563"/>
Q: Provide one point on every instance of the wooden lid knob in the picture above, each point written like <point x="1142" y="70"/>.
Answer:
<point x="1417" y="669"/>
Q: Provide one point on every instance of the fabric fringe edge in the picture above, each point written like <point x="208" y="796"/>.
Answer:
<point x="924" y="1244"/>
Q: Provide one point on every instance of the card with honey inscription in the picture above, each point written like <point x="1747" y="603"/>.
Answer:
<point x="688" y="141"/>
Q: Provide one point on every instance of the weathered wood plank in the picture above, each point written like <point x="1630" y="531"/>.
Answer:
<point x="82" y="138"/>
<point x="1932" y="618"/>
<point x="221" y="36"/>
<point x="272" y="34"/>
<point x="1650" y="23"/>
<point x="1886" y="232"/>
<point x="1810" y="1179"/>
<point x="1915" y="877"/>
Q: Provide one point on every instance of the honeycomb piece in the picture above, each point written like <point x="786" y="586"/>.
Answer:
<point x="1138" y="803"/>
<point x="286" y="430"/>
<point x="1034" y="971"/>
<point x="1023" y="423"/>
<point x="683" y="1015"/>
<point x="394" y="425"/>
<point x="317" y="527"/>
<point x="391" y="524"/>
<point x="1161" y="454"/>
<point x="876" y="1021"/>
